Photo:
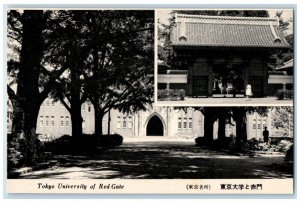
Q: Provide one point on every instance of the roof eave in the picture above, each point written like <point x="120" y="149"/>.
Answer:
<point x="228" y="46"/>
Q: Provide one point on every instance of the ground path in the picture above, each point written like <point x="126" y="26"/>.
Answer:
<point x="161" y="159"/>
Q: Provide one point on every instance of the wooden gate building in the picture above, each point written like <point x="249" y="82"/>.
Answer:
<point x="223" y="54"/>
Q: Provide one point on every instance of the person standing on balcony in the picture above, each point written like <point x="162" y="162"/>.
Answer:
<point x="224" y="85"/>
<point x="248" y="92"/>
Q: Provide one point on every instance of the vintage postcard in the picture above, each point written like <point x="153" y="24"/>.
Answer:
<point x="150" y="101"/>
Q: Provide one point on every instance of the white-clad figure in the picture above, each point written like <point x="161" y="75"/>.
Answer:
<point x="248" y="91"/>
<point x="220" y="86"/>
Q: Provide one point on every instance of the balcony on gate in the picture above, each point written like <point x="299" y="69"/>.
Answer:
<point x="172" y="76"/>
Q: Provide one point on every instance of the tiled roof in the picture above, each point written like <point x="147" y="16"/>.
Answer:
<point x="224" y="31"/>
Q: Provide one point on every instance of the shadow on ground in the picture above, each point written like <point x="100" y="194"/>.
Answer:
<point x="161" y="160"/>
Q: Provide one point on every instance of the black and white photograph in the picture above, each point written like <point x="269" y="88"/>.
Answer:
<point x="242" y="57"/>
<point x="150" y="101"/>
<point x="71" y="73"/>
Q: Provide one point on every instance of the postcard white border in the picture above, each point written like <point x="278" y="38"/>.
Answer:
<point x="8" y="183"/>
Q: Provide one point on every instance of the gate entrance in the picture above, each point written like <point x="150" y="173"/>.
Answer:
<point x="228" y="81"/>
<point x="155" y="127"/>
<point x="200" y="86"/>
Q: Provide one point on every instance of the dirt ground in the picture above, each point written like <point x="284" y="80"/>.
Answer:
<point x="162" y="160"/>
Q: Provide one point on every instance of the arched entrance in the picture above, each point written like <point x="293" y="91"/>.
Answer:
<point x="155" y="127"/>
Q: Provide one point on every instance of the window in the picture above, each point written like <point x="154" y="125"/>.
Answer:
<point x="52" y="120"/>
<point x="184" y="123"/>
<point x="254" y="124"/>
<point x="124" y="122"/>
<point x="264" y="123"/>
<point x="190" y="123"/>
<point x="47" y="103"/>
<point x="62" y="117"/>
<point x="89" y="108"/>
<point x="258" y="126"/>
<point x="67" y="117"/>
<point x="179" y="124"/>
<point x="67" y="123"/>
<point x="61" y="123"/>
<point x="47" y="121"/>
<point x="119" y="122"/>
<point x="129" y="122"/>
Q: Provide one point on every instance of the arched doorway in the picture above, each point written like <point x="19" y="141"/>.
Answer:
<point x="155" y="127"/>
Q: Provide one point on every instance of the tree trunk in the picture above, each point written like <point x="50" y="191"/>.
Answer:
<point x="240" y="119"/>
<point x="208" y="128"/>
<point x="98" y="122"/>
<point x="28" y="76"/>
<point x="31" y="139"/>
<point x="221" y="129"/>
<point x="24" y="128"/>
<point x="27" y="103"/>
<point x="241" y="130"/>
<point x="75" y="103"/>
<point x="18" y="118"/>
<point x="76" y="120"/>
<point x="209" y="120"/>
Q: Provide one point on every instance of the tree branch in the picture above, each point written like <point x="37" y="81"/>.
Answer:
<point x="49" y="86"/>
<point x="61" y="98"/>
<point x="11" y="94"/>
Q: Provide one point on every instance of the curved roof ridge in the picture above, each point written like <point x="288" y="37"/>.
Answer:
<point x="227" y="17"/>
<point x="203" y="30"/>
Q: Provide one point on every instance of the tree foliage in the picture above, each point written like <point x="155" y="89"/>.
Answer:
<point x="120" y="68"/>
<point x="278" y="57"/>
<point x="72" y="55"/>
<point x="282" y="119"/>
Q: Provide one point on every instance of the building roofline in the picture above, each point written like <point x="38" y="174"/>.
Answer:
<point x="182" y="45"/>
<point x="226" y="19"/>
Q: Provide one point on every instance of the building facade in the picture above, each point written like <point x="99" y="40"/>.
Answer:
<point x="161" y="122"/>
<point x="282" y="78"/>
<point x="222" y="55"/>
